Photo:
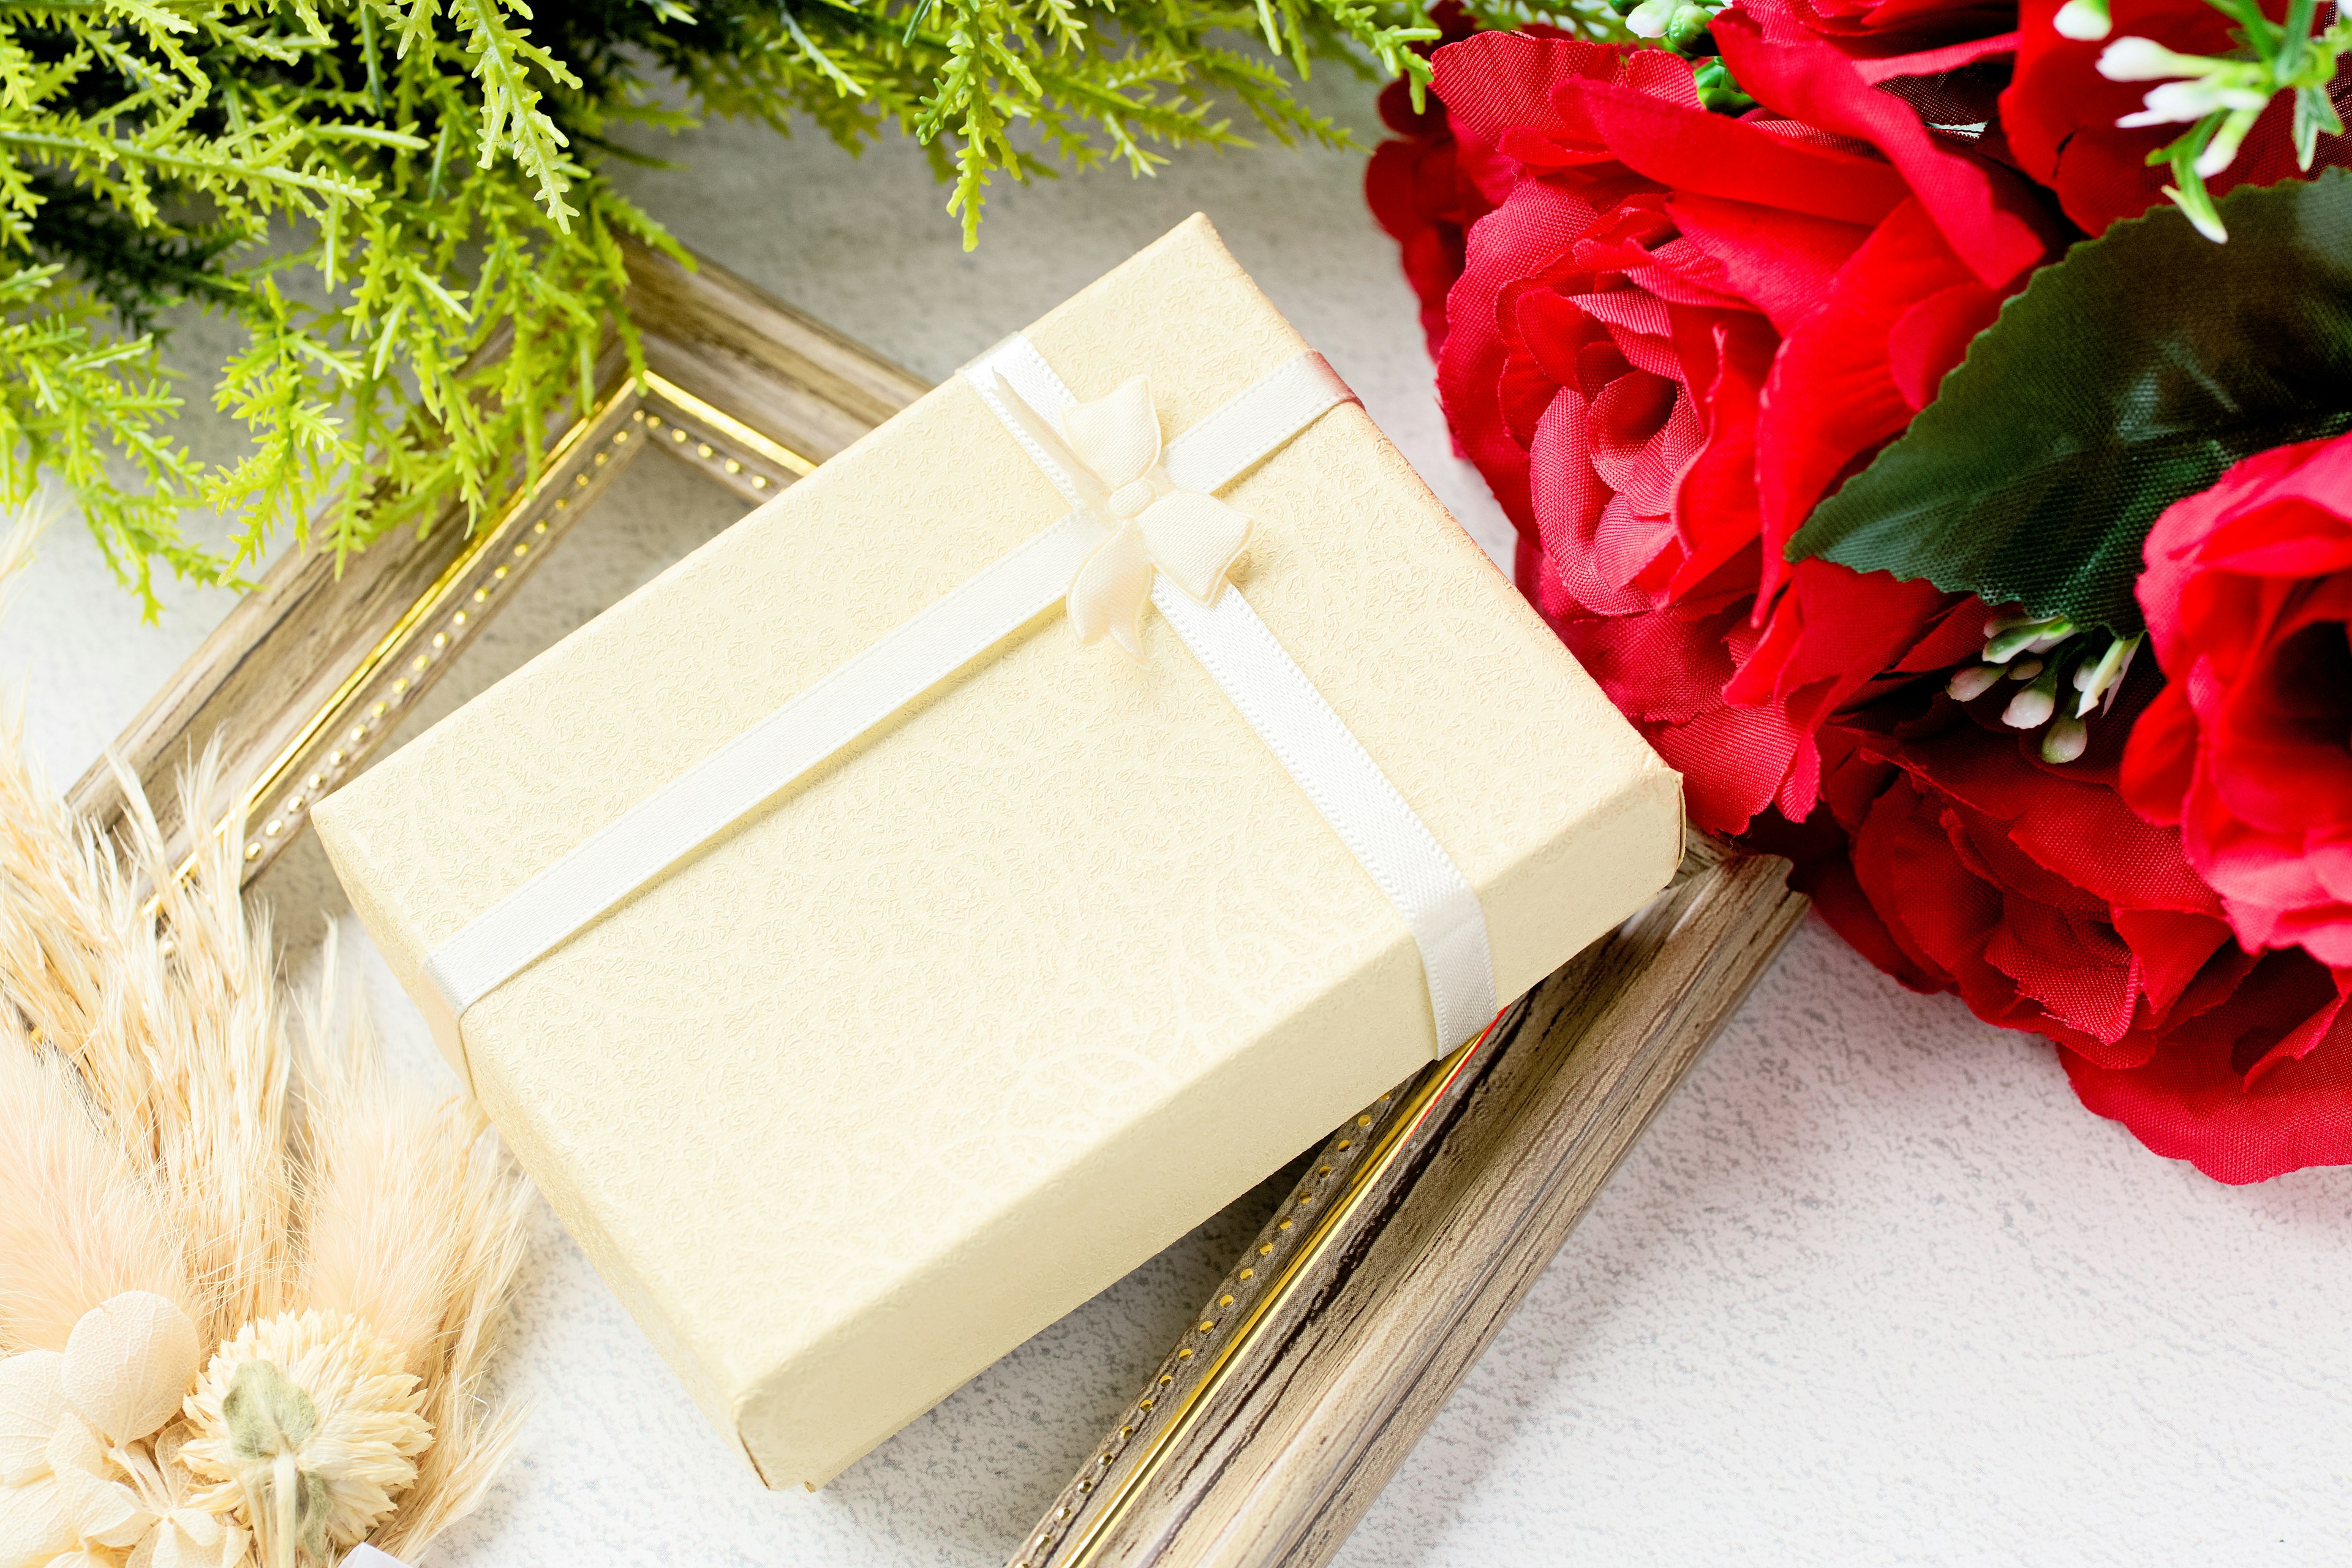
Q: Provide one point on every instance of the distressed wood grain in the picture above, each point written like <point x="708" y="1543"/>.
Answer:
<point x="1305" y="1378"/>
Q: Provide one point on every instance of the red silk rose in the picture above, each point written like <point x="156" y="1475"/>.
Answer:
<point x="1877" y="29"/>
<point x="1417" y="189"/>
<point x="2248" y="594"/>
<point x="1676" y="332"/>
<point x="1880" y="30"/>
<point x="1954" y="857"/>
<point x="2059" y="113"/>
<point x="1665" y="344"/>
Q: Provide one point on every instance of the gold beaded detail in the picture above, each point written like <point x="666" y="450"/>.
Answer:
<point x="378" y="693"/>
<point x="1060" y="1543"/>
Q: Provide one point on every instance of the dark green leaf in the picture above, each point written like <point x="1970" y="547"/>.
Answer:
<point x="2127" y="376"/>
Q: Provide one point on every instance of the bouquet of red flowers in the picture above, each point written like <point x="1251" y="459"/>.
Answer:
<point x="1927" y="419"/>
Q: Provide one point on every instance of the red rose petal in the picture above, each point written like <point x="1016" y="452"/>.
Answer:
<point x="1935" y="62"/>
<point x="1732" y="761"/>
<point x="2189" y="1103"/>
<point x="1783" y="261"/>
<point x="1987" y="216"/>
<point x="1707" y="155"/>
<point x="2171" y="950"/>
<point x="1833" y="396"/>
<point x="1928" y="341"/>
<point x="1715" y="504"/>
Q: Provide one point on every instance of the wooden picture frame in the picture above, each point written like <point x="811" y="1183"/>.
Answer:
<point x="1267" y="1430"/>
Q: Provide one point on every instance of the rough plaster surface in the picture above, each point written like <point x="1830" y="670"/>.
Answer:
<point x="1873" y="1289"/>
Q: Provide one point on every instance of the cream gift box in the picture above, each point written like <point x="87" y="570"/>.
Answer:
<point x="1045" y="968"/>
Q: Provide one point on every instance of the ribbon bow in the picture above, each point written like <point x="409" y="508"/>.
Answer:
<point x="1111" y="450"/>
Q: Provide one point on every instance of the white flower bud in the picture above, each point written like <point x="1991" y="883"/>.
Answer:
<point x="2053" y="633"/>
<point x="2199" y="210"/>
<point x="2185" y="102"/>
<point x="1649" y="19"/>
<point x="2145" y="59"/>
<point x="1967" y="685"/>
<point x="2219" y="151"/>
<point x="2084" y="21"/>
<point x="1688" y="21"/>
<point x="2029" y="708"/>
<point x="2022" y="637"/>
<point x="2065" y="741"/>
<point x="2105" y="678"/>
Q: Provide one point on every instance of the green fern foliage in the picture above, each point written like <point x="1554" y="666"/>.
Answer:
<point x="400" y="205"/>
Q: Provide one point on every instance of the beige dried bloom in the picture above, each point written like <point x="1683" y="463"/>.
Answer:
<point x="59" y="1495"/>
<point x="309" y="1430"/>
<point x="127" y="1364"/>
<point x="78" y="1484"/>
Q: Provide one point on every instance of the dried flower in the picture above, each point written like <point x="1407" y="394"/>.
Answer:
<point x="69" y="1495"/>
<point x="79" y="1223"/>
<point x="128" y="1364"/>
<point x="159" y="1195"/>
<point x="307" y="1423"/>
<point x="190" y="1538"/>
<point x="64" y="1496"/>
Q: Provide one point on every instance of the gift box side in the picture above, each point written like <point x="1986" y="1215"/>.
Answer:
<point x="1575" y="866"/>
<point x="1116" y="1202"/>
<point x="1552" y="806"/>
<point x="396" y="939"/>
<point x="403" y="951"/>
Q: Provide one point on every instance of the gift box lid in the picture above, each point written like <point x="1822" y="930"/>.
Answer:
<point x="1045" y="969"/>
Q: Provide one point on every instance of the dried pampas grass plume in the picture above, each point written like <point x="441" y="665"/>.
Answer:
<point x="167" y="1127"/>
<point x="396" y="1181"/>
<point x="416" y="1225"/>
<point x="179" y="1041"/>
<point x="80" y="1222"/>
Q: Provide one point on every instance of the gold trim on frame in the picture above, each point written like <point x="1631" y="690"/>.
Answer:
<point x="336" y="740"/>
<point x="1396" y="1129"/>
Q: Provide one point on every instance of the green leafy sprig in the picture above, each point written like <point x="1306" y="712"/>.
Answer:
<point x="402" y="206"/>
<point x="2220" y="97"/>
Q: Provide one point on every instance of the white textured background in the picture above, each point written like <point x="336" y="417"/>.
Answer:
<point x="1874" y="1288"/>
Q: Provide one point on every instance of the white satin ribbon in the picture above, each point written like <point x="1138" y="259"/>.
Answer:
<point x="1145" y="524"/>
<point x="1106" y="456"/>
<point x="1387" y="837"/>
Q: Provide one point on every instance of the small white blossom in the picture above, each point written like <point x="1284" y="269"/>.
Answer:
<point x="2187" y="103"/>
<point x="2084" y="21"/>
<point x="1650" y="19"/>
<point x="2145" y="59"/>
